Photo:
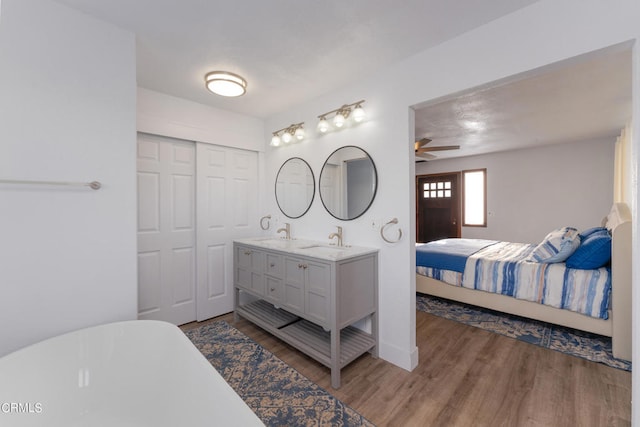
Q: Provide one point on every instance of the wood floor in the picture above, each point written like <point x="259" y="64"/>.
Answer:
<point x="470" y="377"/>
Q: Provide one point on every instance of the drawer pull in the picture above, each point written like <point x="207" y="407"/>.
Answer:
<point x="247" y="252"/>
<point x="273" y="264"/>
<point x="273" y="289"/>
<point x="300" y="265"/>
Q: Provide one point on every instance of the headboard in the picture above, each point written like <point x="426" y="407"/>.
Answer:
<point x="619" y="223"/>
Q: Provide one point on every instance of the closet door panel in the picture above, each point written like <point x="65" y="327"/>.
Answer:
<point x="166" y="229"/>
<point x="227" y="209"/>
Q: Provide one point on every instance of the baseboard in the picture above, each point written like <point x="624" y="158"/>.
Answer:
<point x="407" y="360"/>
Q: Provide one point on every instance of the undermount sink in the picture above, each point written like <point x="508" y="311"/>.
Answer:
<point x="323" y="248"/>
<point x="275" y="242"/>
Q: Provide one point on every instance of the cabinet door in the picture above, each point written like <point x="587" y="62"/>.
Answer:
<point x="249" y="267"/>
<point x="318" y="292"/>
<point x="249" y="258"/>
<point x="294" y="275"/>
<point x="243" y="257"/>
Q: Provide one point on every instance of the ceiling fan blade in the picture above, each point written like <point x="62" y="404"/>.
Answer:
<point x="440" y="148"/>
<point x="426" y="156"/>
<point x="421" y="143"/>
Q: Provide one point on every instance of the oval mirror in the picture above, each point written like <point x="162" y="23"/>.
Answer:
<point x="348" y="182"/>
<point x="295" y="187"/>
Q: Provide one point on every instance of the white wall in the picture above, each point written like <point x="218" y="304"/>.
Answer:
<point x="67" y="113"/>
<point x="166" y="115"/>
<point x="543" y="33"/>
<point x="533" y="191"/>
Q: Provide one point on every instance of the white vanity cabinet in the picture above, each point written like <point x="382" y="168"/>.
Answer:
<point x="309" y="295"/>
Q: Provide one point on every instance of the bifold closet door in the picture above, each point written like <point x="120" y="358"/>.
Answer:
<point x="166" y="229"/>
<point x="227" y="200"/>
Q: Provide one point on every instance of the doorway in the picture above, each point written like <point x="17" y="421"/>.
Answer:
<point x="437" y="207"/>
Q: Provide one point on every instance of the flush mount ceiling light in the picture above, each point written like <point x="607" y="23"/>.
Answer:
<point x="225" y="84"/>
<point x="354" y="110"/>
<point x="287" y="134"/>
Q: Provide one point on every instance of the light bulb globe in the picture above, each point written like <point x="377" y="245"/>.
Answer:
<point x="275" y="141"/>
<point x="286" y="137"/>
<point x="300" y="134"/>
<point x="323" y="125"/>
<point x="338" y="120"/>
<point x="358" y="114"/>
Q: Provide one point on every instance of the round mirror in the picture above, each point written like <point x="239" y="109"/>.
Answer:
<point x="348" y="182"/>
<point x="295" y="187"/>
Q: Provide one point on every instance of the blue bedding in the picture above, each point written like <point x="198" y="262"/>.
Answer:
<point x="505" y="268"/>
<point x="449" y="254"/>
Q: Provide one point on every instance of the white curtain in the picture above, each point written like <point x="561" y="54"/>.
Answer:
<point x="622" y="177"/>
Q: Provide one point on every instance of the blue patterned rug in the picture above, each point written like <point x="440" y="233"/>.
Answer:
<point x="277" y="393"/>
<point x="588" y="346"/>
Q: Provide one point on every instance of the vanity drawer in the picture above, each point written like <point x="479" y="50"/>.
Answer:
<point x="274" y="290"/>
<point x="274" y="265"/>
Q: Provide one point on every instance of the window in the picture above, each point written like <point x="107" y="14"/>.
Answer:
<point x="436" y="190"/>
<point x="474" y="200"/>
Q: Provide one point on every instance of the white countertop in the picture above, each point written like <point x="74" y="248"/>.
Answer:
<point x="310" y="248"/>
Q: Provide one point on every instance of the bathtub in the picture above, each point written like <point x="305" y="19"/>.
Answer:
<point x="136" y="373"/>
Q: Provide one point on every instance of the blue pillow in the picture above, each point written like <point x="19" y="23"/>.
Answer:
<point x="557" y="246"/>
<point x="594" y="252"/>
<point x="589" y="231"/>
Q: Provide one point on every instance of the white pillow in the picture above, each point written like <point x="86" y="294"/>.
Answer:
<point x="557" y="246"/>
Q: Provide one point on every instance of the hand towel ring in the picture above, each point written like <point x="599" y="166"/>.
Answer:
<point x="266" y="217"/>
<point x="382" y="229"/>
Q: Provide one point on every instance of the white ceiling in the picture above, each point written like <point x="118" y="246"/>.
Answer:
<point x="289" y="51"/>
<point x="294" y="51"/>
<point x="583" y="98"/>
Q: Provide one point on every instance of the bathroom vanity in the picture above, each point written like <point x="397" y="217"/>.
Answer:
<point x="309" y="294"/>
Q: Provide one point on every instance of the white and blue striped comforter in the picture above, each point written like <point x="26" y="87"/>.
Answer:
<point x="501" y="268"/>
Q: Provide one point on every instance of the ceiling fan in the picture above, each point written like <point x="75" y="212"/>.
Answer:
<point x="424" y="152"/>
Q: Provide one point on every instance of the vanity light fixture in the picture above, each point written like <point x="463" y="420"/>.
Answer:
<point x="225" y="84"/>
<point x="354" y="110"/>
<point x="286" y="135"/>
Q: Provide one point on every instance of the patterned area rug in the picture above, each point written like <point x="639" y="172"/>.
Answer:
<point x="588" y="346"/>
<point x="277" y="393"/>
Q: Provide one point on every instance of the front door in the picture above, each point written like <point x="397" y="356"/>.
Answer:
<point x="438" y="207"/>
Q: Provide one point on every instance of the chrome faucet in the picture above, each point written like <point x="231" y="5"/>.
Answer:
<point x="338" y="235"/>
<point x="287" y="231"/>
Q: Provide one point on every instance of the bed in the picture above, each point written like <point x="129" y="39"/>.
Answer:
<point x="488" y="273"/>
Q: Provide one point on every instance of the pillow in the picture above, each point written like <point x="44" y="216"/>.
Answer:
<point x="589" y="231"/>
<point x="594" y="252"/>
<point x="557" y="246"/>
